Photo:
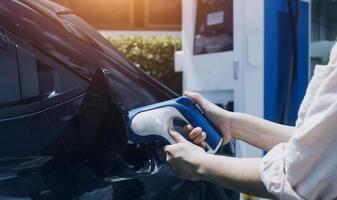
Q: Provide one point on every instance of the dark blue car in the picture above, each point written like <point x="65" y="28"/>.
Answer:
<point x="64" y="92"/>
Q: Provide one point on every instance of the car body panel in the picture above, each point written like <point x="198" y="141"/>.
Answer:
<point x="74" y="145"/>
<point x="80" y="56"/>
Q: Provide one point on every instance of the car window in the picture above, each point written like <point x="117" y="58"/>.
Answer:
<point x="9" y="75"/>
<point x="55" y="80"/>
<point x="84" y="32"/>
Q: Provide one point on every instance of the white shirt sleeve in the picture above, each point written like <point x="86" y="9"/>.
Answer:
<point x="306" y="166"/>
<point x="333" y="55"/>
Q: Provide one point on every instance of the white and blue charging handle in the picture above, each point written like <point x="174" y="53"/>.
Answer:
<point x="153" y="122"/>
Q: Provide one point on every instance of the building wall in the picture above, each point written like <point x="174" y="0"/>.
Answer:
<point x="128" y="14"/>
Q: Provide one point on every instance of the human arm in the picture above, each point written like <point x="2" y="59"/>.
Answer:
<point x="305" y="166"/>
<point x="253" y="130"/>
<point x="259" y="132"/>
<point x="192" y="162"/>
<point x="239" y="174"/>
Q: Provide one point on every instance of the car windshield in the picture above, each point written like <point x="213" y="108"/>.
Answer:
<point x="79" y="29"/>
<point x="83" y="31"/>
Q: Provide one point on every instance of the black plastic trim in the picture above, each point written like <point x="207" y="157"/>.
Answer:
<point x="28" y="76"/>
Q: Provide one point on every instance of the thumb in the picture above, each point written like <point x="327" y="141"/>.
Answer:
<point x="176" y="136"/>
<point x="197" y="98"/>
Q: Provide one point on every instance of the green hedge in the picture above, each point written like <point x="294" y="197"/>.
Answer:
<point x="154" y="55"/>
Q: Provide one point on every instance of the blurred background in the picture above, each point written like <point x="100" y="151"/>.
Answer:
<point x="135" y="15"/>
<point x="148" y="31"/>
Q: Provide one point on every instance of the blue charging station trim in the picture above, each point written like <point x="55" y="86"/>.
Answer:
<point x="277" y="59"/>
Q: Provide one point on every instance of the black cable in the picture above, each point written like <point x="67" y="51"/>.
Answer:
<point x="294" y="21"/>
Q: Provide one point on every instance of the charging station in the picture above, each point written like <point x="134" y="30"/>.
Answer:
<point x="247" y="56"/>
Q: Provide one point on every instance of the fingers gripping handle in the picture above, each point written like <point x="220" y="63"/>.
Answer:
<point x="155" y="121"/>
<point x="197" y="119"/>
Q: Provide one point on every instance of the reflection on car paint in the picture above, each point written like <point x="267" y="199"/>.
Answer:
<point x="77" y="148"/>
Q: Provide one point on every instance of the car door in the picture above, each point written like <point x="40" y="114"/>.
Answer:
<point x="33" y="159"/>
<point x="62" y="92"/>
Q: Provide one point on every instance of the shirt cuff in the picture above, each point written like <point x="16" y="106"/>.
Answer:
<point x="273" y="173"/>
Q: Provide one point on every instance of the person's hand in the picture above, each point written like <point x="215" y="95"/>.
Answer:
<point x="219" y="117"/>
<point x="197" y="135"/>
<point x="184" y="157"/>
